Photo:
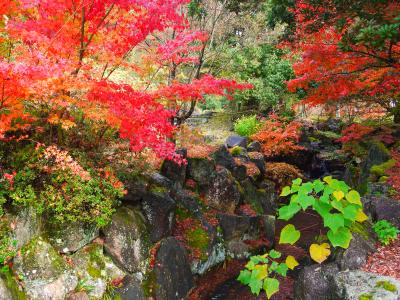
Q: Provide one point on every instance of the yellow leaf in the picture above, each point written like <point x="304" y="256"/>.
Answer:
<point x="291" y="262"/>
<point x="361" y="216"/>
<point x="320" y="253"/>
<point x="263" y="272"/>
<point x="338" y="195"/>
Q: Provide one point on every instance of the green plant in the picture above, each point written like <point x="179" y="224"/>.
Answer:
<point x="338" y="205"/>
<point x="385" y="231"/>
<point x="262" y="271"/>
<point x="247" y="125"/>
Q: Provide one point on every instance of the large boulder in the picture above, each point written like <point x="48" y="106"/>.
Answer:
<point x="95" y="269"/>
<point x="172" y="272"/>
<point x="131" y="288"/>
<point x="236" y="140"/>
<point x="355" y="256"/>
<point x="359" y="285"/>
<point x="315" y="282"/>
<point x="224" y="158"/>
<point x="44" y="273"/>
<point x="5" y="293"/>
<point x="70" y="237"/>
<point x="202" y="170"/>
<point x="223" y="192"/>
<point x="381" y="207"/>
<point x="159" y="208"/>
<point x="262" y="199"/>
<point x="254" y="147"/>
<point x="174" y="171"/>
<point x="126" y="239"/>
<point x="26" y="224"/>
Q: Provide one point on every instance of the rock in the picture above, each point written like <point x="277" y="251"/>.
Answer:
<point x="262" y="200"/>
<point x="258" y="159"/>
<point x="26" y="224"/>
<point x="356" y="255"/>
<point x="268" y="223"/>
<point x="95" y="269"/>
<point x="131" y="289"/>
<point x="44" y="272"/>
<point x="78" y="296"/>
<point x="238" y="227"/>
<point x="224" y="158"/>
<point x="254" y="147"/>
<point x="173" y="276"/>
<point x="5" y="293"/>
<point x="202" y="170"/>
<point x="215" y="255"/>
<point x="159" y="209"/>
<point x="174" y="171"/>
<point x="136" y="187"/>
<point x="236" y="140"/>
<point x="70" y="237"/>
<point x="223" y="192"/>
<point x="126" y="239"/>
<point x="237" y="249"/>
<point x="359" y="285"/>
<point x="315" y="282"/>
<point x="385" y="208"/>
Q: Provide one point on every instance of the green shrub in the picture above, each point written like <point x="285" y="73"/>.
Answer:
<point x="247" y="125"/>
<point x="380" y="170"/>
<point x="385" y="231"/>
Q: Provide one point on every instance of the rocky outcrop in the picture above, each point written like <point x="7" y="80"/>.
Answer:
<point x="44" y="273"/>
<point x="382" y="207"/>
<point x="202" y="170"/>
<point x="359" y="285"/>
<point x="174" y="171"/>
<point x="131" y="288"/>
<point x="126" y="239"/>
<point x="172" y="272"/>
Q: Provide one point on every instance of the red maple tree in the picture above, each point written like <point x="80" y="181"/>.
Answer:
<point x="58" y="56"/>
<point x="349" y="50"/>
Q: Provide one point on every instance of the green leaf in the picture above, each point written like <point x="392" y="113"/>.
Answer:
<point x="282" y="269"/>
<point x="318" y="185"/>
<point x="306" y="188"/>
<point x="244" y="277"/>
<point x="271" y="286"/>
<point x="288" y="211"/>
<point x="297" y="181"/>
<point x="350" y="212"/>
<point x="289" y="235"/>
<point x="305" y="201"/>
<point x="274" y="254"/>
<point x="337" y="205"/>
<point x="333" y="221"/>
<point x="251" y="265"/>
<point x="328" y="179"/>
<point x="322" y="208"/>
<point x="285" y="191"/>
<point x="255" y="283"/>
<point x="341" y="238"/>
<point x="354" y="197"/>
<point x="258" y="259"/>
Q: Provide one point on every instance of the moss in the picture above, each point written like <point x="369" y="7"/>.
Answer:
<point x="381" y="146"/>
<point x="328" y="135"/>
<point x="182" y="212"/>
<point x="365" y="297"/>
<point x="158" y="189"/>
<point x="361" y="230"/>
<point x="149" y="284"/>
<point x="380" y="170"/>
<point x="237" y="150"/>
<point x="96" y="262"/>
<point x="12" y="285"/>
<point x="198" y="238"/>
<point x="387" y="286"/>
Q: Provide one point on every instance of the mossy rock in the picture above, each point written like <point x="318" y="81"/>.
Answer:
<point x="95" y="269"/>
<point x="43" y="272"/>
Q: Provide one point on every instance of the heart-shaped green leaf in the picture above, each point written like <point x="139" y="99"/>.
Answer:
<point x="289" y="235"/>
<point x="341" y="238"/>
<point x="271" y="286"/>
